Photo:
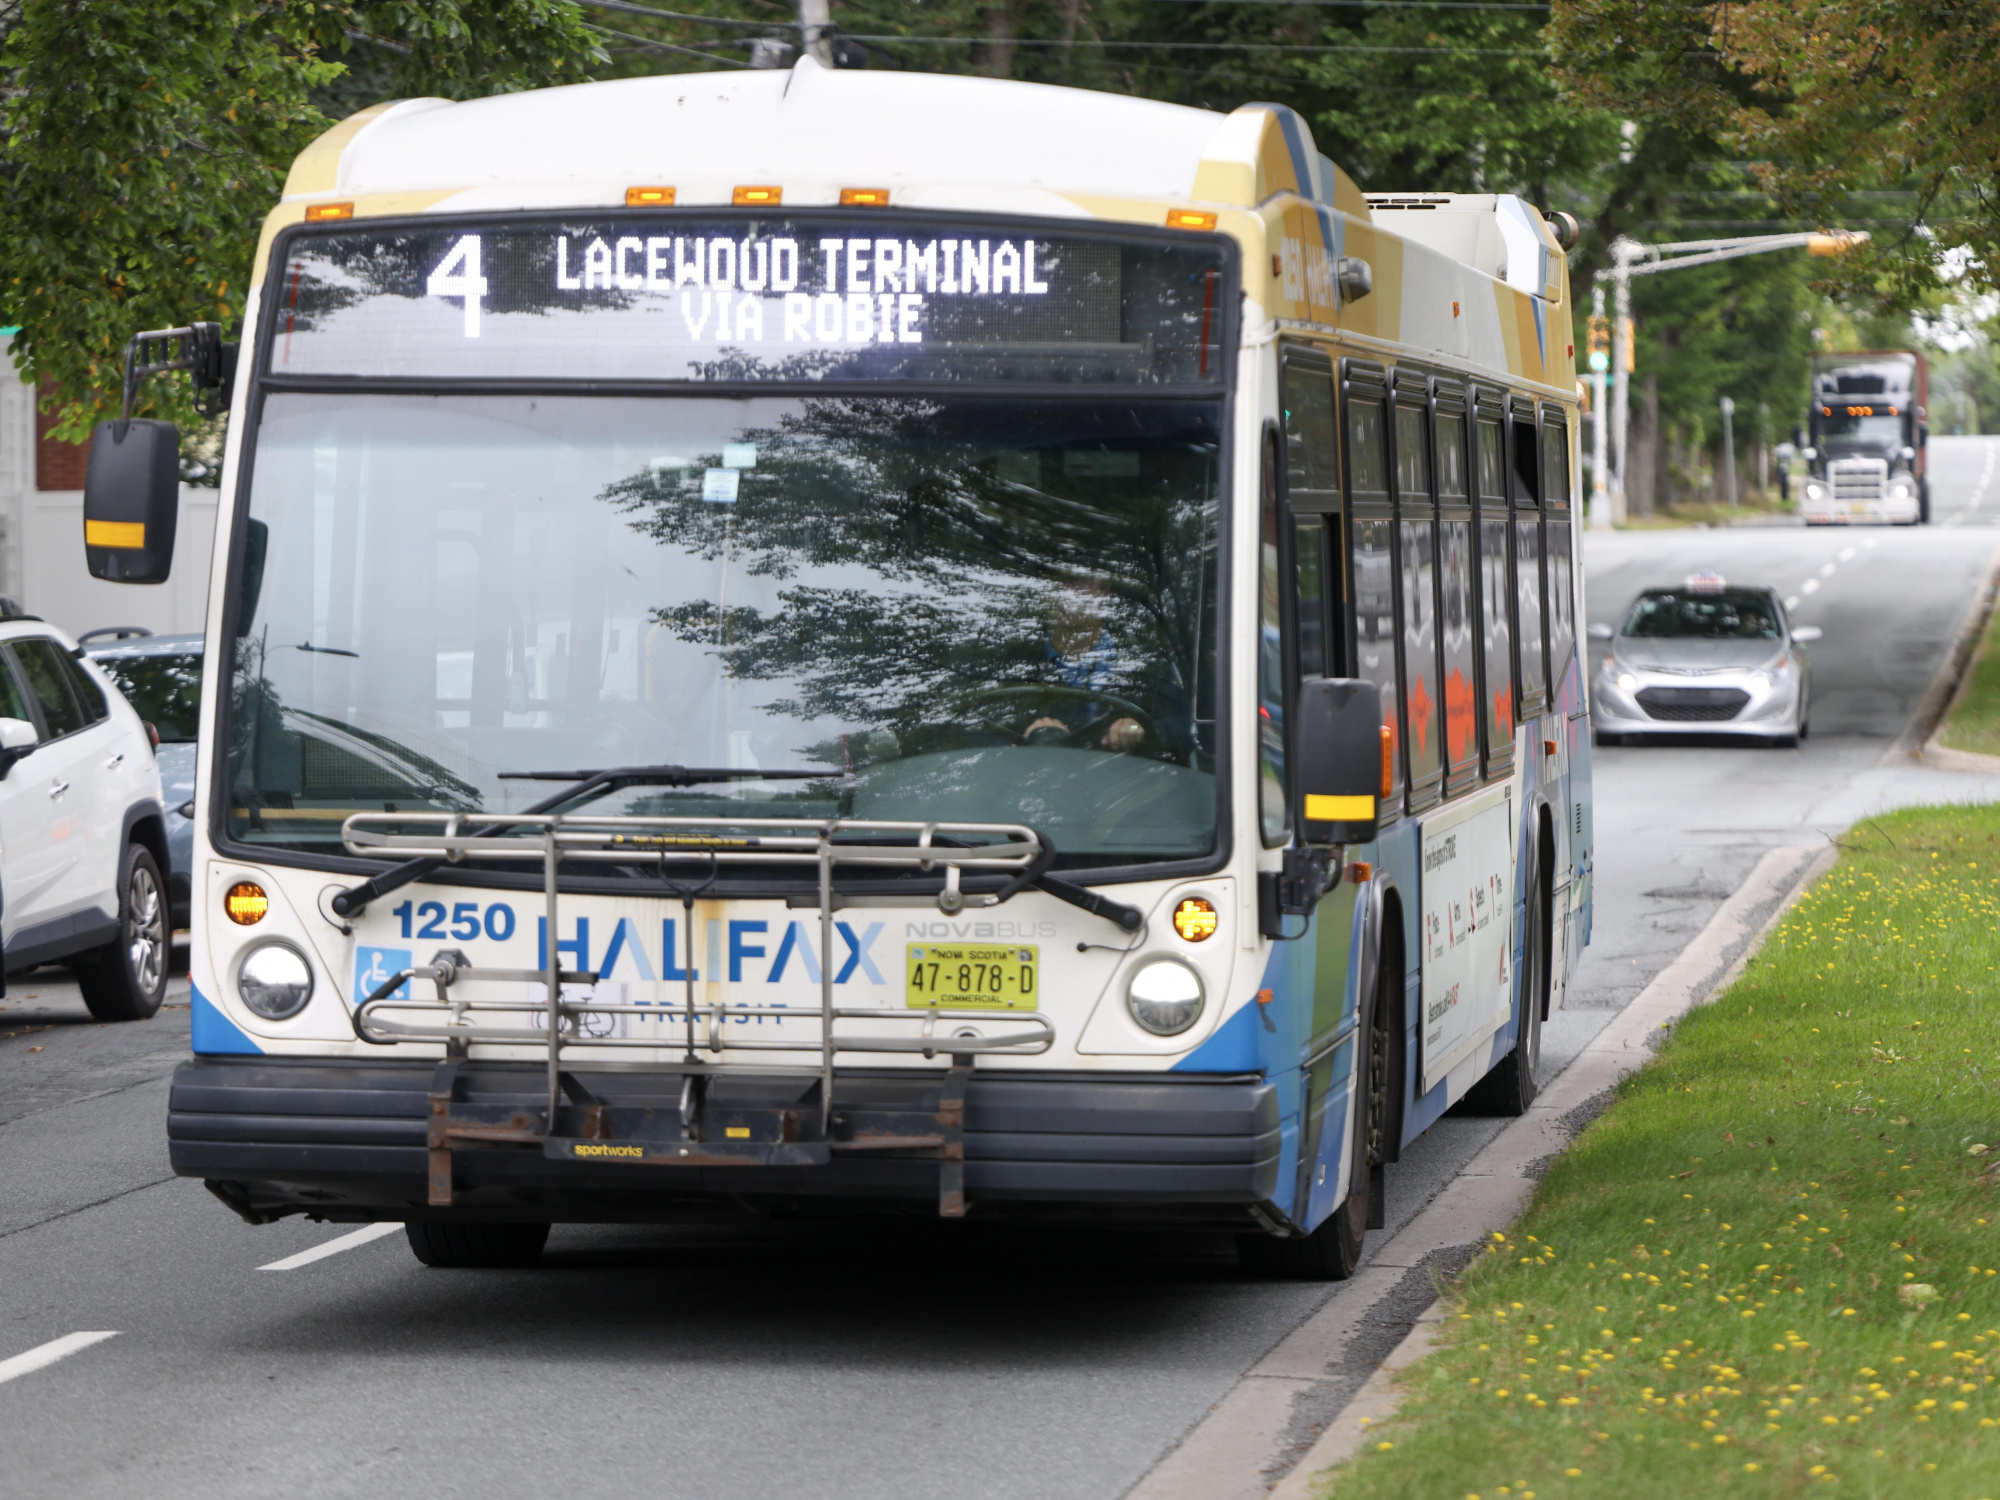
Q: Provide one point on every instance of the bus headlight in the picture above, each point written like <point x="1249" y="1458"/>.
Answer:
<point x="275" y="981"/>
<point x="1164" y="996"/>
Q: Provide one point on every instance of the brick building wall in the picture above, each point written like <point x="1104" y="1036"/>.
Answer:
<point x="58" y="465"/>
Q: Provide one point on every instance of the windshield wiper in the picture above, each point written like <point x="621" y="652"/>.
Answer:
<point x="584" y="786"/>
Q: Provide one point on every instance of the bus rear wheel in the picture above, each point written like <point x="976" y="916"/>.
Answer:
<point x="1332" y="1252"/>
<point x="1511" y="1087"/>
<point x="477" y="1247"/>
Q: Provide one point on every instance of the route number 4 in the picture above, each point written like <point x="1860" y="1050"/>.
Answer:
<point x="458" y="275"/>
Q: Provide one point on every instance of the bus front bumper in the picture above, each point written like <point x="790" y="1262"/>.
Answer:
<point x="364" y="1140"/>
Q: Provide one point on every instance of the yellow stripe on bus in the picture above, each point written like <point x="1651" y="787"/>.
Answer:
<point x="1323" y="809"/>
<point x="114" y="533"/>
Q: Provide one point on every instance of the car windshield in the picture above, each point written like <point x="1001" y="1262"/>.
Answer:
<point x="960" y="609"/>
<point x="1723" y="615"/>
<point x="165" y="691"/>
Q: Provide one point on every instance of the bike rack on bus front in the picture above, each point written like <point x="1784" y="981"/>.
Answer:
<point x="768" y="1137"/>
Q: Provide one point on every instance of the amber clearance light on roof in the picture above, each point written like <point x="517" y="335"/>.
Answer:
<point x="649" y="197"/>
<point x="246" y="903"/>
<point x="864" y="197"/>
<point x="756" y="195"/>
<point x="1190" y="218"/>
<point x="318" y="213"/>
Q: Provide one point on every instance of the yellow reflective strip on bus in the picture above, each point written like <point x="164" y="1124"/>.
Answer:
<point x="114" y="533"/>
<point x="1323" y="809"/>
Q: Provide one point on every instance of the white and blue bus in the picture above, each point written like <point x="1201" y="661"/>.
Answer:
<point x="933" y="643"/>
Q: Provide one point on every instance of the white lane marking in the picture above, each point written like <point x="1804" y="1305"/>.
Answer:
<point x="1827" y="571"/>
<point x="47" y="1354"/>
<point x="1847" y="554"/>
<point x="1791" y="601"/>
<point x="1810" y="586"/>
<point x="1985" y="476"/>
<point x="360" y="1236"/>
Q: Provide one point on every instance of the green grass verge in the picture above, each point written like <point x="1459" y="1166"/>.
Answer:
<point x="1974" y="721"/>
<point x="1768" y="1269"/>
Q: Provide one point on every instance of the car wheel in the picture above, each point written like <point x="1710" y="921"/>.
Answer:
<point x="126" y="979"/>
<point x="477" y="1247"/>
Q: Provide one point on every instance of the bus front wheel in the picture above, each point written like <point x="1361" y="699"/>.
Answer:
<point x="477" y="1247"/>
<point x="1332" y="1252"/>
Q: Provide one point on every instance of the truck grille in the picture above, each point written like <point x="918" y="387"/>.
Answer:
<point x="1858" y="478"/>
<point x="1692" y="705"/>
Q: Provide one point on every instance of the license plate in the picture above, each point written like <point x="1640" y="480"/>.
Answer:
<point x="970" y="976"/>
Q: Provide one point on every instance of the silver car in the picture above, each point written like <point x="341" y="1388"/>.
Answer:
<point x="1705" y="658"/>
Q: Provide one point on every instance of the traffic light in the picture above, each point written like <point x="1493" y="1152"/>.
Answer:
<point x="1626" y="361"/>
<point x="1600" y="344"/>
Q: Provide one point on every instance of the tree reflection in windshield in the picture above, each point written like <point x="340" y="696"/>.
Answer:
<point x="975" y="610"/>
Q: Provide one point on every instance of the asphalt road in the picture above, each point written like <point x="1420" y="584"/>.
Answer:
<point x="738" y="1360"/>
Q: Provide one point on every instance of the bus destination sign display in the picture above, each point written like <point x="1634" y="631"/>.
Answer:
<point x="753" y="300"/>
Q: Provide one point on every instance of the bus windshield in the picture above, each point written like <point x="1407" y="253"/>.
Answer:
<point x="954" y="608"/>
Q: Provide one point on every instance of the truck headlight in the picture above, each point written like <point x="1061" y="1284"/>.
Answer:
<point x="275" y="980"/>
<point x="1815" y="491"/>
<point x="1900" y="490"/>
<point x="1165" y="996"/>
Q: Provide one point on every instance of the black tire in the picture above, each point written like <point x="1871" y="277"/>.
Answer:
<point x="1608" y="739"/>
<point x="477" y="1247"/>
<point x="1332" y="1252"/>
<point x="126" y="979"/>
<point x="1512" y="1085"/>
<point x="1923" y="502"/>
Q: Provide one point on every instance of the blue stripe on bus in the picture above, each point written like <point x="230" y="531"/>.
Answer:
<point x="213" y="1032"/>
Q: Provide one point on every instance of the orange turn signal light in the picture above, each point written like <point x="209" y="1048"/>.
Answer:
<point x="1190" y="218"/>
<point x="649" y="197"/>
<point x="753" y="196"/>
<point x="864" y="197"/>
<point x="319" y="213"/>
<point x="1194" y="919"/>
<point x="1388" y="760"/>
<point x="246" y="903"/>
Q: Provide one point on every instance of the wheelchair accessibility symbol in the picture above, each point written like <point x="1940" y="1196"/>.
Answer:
<point x="374" y="967"/>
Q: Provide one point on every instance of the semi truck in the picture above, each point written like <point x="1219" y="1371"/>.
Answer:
<point x="1865" y="439"/>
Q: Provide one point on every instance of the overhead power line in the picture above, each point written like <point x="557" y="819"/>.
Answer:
<point x="673" y="15"/>
<point x="1015" y="41"/>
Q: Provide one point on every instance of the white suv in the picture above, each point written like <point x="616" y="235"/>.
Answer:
<point x="82" y="832"/>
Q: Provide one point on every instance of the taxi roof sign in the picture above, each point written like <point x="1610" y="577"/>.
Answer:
<point x="1705" y="581"/>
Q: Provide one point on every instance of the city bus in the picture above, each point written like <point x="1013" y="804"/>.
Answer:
<point x="825" y="642"/>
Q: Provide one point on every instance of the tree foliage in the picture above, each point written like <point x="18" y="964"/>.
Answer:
<point x="142" y="143"/>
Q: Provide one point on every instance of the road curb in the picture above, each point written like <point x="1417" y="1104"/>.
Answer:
<point x="1229" y="1453"/>
<point x="1920" y="741"/>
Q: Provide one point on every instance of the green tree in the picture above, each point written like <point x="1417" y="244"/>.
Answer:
<point x="141" y="145"/>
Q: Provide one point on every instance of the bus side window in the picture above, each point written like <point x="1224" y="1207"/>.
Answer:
<point x="1528" y="586"/>
<point x="1458" y="628"/>
<point x="1372" y="526"/>
<point x="1273" y="812"/>
<point x="1562" y="589"/>
<point x="1308" y="553"/>
<point x="1416" y="523"/>
<point x="1312" y="495"/>
<point x="1496" y="609"/>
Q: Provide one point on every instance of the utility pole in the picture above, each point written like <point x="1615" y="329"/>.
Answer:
<point x="816" y="30"/>
<point x="1623" y="351"/>
<point x="1728" y="451"/>
<point x="1600" y="426"/>
<point x="1629" y="258"/>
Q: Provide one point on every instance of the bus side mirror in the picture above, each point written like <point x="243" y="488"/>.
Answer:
<point x="1340" y="758"/>
<point x="17" y="741"/>
<point x="131" y="500"/>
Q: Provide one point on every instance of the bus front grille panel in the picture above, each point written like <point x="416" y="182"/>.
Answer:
<point x="1691" y="705"/>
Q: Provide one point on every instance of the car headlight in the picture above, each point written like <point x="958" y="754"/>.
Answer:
<point x="1627" y="682"/>
<point x="1165" y="996"/>
<point x="275" y="981"/>
<point x="1815" y="491"/>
